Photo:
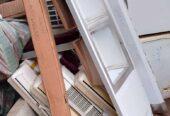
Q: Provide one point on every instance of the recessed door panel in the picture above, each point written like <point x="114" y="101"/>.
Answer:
<point x="111" y="57"/>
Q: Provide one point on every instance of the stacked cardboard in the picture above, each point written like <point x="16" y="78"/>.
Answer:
<point x="22" y="80"/>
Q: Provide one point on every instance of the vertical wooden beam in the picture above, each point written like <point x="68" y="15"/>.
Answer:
<point x="64" y="13"/>
<point x="47" y="56"/>
<point x="87" y="62"/>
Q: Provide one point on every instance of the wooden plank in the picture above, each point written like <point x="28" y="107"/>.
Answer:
<point x="88" y="65"/>
<point x="12" y="9"/>
<point x="64" y="13"/>
<point x="47" y="56"/>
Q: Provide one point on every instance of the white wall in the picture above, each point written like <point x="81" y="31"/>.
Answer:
<point x="150" y="16"/>
<point x="158" y="55"/>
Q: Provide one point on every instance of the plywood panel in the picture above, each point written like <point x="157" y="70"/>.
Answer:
<point x="47" y="56"/>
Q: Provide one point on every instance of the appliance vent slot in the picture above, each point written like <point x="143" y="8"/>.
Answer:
<point x="94" y="112"/>
<point x="80" y="103"/>
<point x="55" y="19"/>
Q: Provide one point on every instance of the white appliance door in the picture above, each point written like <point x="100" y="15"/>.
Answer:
<point x="149" y="16"/>
<point x="110" y="57"/>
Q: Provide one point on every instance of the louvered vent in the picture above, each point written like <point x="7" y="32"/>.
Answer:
<point x="55" y="19"/>
<point x="93" y="112"/>
<point x="81" y="104"/>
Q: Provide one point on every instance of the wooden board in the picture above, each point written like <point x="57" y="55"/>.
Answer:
<point x="88" y="65"/>
<point x="47" y="56"/>
<point x="12" y="9"/>
<point x="64" y="13"/>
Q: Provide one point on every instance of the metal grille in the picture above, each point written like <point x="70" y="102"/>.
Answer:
<point x="81" y="104"/>
<point x="55" y="19"/>
<point x="94" y="112"/>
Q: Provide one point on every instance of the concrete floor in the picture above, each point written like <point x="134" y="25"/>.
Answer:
<point x="168" y="105"/>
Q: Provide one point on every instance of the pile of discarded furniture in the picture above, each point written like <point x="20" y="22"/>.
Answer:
<point x="81" y="58"/>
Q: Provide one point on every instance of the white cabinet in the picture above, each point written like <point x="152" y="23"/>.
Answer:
<point x="114" y="47"/>
<point x="150" y="16"/>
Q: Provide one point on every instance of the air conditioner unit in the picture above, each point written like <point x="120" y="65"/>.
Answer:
<point x="96" y="93"/>
<point x="21" y="81"/>
<point x="91" y="104"/>
<point x="54" y="18"/>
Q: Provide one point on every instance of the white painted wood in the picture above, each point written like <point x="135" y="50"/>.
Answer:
<point x="121" y="20"/>
<point x="92" y="14"/>
<point x="131" y="99"/>
<point x="109" y="48"/>
<point x="105" y="45"/>
<point x="149" y="16"/>
<point x="116" y="73"/>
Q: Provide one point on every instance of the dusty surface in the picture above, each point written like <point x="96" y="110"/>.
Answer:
<point x="168" y="105"/>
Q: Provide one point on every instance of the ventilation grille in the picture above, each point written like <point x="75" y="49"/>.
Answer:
<point x="81" y="104"/>
<point x="55" y="19"/>
<point x="93" y="112"/>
